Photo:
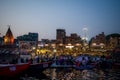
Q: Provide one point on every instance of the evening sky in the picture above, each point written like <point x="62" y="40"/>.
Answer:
<point x="45" y="16"/>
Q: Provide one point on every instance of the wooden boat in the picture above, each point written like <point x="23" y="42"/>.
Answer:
<point x="11" y="70"/>
<point x="87" y="67"/>
<point x="54" y="65"/>
<point x="39" y="66"/>
<point x="116" y="58"/>
<point x="116" y="65"/>
<point x="84" y="67"/>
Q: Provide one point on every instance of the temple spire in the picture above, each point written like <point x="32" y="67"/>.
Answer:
<point x="9" y="39"/>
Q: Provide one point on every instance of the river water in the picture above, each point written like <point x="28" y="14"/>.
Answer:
<point x="69" y="74"/>
<point x="73" y="74"/>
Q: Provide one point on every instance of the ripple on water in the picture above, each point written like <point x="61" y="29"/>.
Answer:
<point x="83" y="74"/>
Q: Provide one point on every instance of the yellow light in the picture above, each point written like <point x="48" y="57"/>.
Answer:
<point x="61" y="44"/>
<point x="33" y="48"/>
<point x="37" y="50"/>
<point x="46" y="45"/>
<point x="94" y="44"/>
<point x="5" y="40"/>
<point x="69" y="47"/>
<point x="77" y="44"/>
<point x="69" y="44"/>
<point x="43" y="51"/>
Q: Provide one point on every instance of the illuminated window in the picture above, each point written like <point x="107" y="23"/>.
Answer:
<point x="94" y="44"/>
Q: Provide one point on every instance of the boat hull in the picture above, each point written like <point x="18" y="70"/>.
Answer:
<point x="12" y="70"/>
<point x="39" y="66"/>
<point x="116" y="66"/>
<point x="87" y="67"/>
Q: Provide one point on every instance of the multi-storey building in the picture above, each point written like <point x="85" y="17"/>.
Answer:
<point x="28" y="37"/>
<point x="73" y="39"/>
<point x="60" y="35"/>
<point x="113" y="40"/>
<point x="98" y="42"/>
<point x="28" y="41"/>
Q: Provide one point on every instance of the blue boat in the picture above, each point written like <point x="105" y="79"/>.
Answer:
<point x="84" y="67"/>
<point x="54" y="65"/>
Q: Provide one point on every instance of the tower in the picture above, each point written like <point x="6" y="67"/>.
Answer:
<point x="8" y="38"/>
<point x="60" y="35"/>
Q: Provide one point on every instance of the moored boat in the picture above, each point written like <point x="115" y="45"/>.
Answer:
<point x="54" y="65"/>
<point x="116" y="66"/>
<point x="116" y="58"/>
<point x="11" y="70"/>
<point x="40" y="66"/>
<point x="84" y="62"/>
<point x="87" y="67"/>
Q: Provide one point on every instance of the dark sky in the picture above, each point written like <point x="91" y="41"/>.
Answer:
<point x="45" y="16"/>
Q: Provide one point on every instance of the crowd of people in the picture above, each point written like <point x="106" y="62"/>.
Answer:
<point x="103" y="63"/>
<point x="96" y="73"/>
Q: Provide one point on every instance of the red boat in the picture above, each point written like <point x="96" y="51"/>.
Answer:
<point x="36" y="68"/>
<point x="11" y="70"/>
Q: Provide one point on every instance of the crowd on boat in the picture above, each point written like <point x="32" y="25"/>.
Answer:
<point x="63" y="60"/>
<point x="102" y="62"/>
<point x="84" y="61"/>
<point x="82" y="65"/>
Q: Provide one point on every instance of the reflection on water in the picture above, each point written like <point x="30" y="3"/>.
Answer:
<point x="70" y="74"/>
<point x="73" y="74"/>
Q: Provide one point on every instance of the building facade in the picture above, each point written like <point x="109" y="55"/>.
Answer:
<point x="73" y="39"/>
<point x="60" y="35"/>
<point x="113" y="40"/>
<point x="98" y="42"/>
<point x="28" y="37"/>
<point x="28" y="41"/>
